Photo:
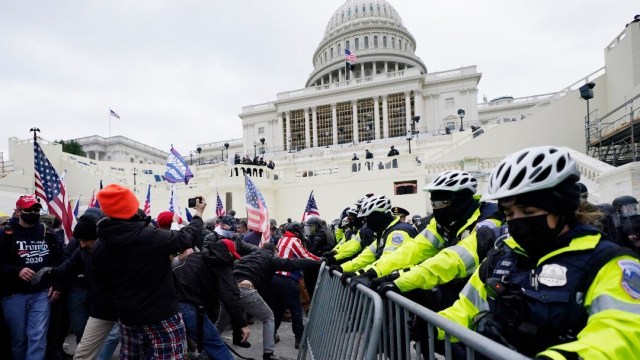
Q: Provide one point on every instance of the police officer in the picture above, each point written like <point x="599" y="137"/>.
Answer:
<point x="457" y="239"/>
<point x="625" y="209"/>
<point x="390" y="234"/>
<point x="554" y="289"/>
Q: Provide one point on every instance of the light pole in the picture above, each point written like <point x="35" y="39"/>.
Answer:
<point x="191" y="157"/>
<point x="461" y="114"/>
<point x="326" y="137"/>
<point x="414" y="120"/>
<point x="262" y="146"/>
<point x="290" y="143"/>
<point x="222" y="154"/>
<point x="255" y="153"/>
<point x="199" y="150"/>
<point x="341" y="131"/>
<point x="409" y="138"/>
<point x="226" y="147"/>
<point x="586" y="93"/>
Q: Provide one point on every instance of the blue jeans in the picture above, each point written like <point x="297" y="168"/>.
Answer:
<point x="212" y="344"/>
<point x="110" y="344"/>
<point x="78" y="308"/>
<point x="27" y="316"/>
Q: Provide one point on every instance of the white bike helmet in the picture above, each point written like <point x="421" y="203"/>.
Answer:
<point x="353" y="210"/>
<point x="531" y="169"/>
<point x="374" y="204"/>
<point x="453" y="180"/>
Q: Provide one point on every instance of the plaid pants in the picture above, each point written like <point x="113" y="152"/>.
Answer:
<point x="164" y="340"/>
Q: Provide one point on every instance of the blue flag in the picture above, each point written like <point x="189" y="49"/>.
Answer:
<point x="189" y="217"/>
<point x="177" y="168"/>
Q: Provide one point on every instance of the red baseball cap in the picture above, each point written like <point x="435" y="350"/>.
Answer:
<point x="231" y="247"/>
<point x="165" y="219"/>
<point x="27" y="201"/>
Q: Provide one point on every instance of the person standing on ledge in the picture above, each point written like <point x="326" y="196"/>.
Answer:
<point x="393" y="151"/>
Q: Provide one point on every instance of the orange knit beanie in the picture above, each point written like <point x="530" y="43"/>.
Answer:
<point x="118" y="202"/>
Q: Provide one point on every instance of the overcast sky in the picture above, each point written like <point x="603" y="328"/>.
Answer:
<point x="178" y="72"/>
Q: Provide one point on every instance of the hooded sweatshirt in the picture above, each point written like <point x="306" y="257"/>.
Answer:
<point x="135" y="258"/>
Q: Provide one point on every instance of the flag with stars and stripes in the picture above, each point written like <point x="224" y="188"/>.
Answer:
<point x="350" y="58"/>
<point x="147" y="202"/>
<point x="219" y="208"/>
<point x="257" y="213"/>
<point x="311" y="209"/>
<point x="51" y="188"/>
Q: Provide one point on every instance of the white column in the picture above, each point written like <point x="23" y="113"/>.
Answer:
<point x="385" y="117"/>
<point x="354" y="120"/>
<point x="330" y="77"/>
<point x="361" y="70"/>
<point x="374" y="68"/>
<point x="288" y="142"/>
<point x="407" y="109"/>
<point x="314" y="123"/>
<point x="397" y="66"/>
<point x="277" y="137"/>
<point x="334" y="123"/>
<point x="307" y="138"/>
<point x="419" y="104"/>
<point x="376" y="118"/>
<point x="386" y="69"/>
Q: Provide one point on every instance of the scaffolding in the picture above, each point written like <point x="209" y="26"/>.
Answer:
<point x="614" y="137"/>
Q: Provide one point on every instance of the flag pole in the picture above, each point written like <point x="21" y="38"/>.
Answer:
<point x="109" y="122"/>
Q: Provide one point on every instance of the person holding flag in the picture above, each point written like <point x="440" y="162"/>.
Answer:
<point x="311" y="209"/>
<point x="257" y="213"/>
<point x="219" y="208"/>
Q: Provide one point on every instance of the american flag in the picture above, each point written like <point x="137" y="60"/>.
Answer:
<point x="219" y="208"/>
<point x="257" y="213"/>
<point x="311" y="209"/>
<point x="76" y="208"/>
<point x="113" y="113"/>
<point x="51" y="188"/>
<point x="350" y="58"/>
<point x="147" y="202"/>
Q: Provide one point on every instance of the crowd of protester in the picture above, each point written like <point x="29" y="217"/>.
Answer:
<point x="162" y="288"/>
<point x="258" y="161"/>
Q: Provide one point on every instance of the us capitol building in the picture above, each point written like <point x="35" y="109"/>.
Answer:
<point x="387" y="98"/>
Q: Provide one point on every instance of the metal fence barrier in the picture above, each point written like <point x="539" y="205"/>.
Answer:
<point x="342" y="324"/>
<point x="345" y="324"/>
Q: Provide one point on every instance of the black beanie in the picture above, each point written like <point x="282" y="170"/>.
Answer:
<point x="85" y="229"/>
<point x="562" y="199"/>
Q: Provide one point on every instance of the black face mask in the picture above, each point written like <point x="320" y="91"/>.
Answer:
<point x="534" y="235"/>
<point x="446" y="216"/>
<point x="378" y="221"/>
<point x="30" y="218"/>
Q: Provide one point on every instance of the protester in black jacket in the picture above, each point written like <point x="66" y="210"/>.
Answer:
<point x="252" y="273"/>
<point x="135" y="258"/>
<point x="205" y="280"/>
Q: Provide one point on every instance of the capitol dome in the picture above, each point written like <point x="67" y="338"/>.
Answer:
<point x="371" y="29"/>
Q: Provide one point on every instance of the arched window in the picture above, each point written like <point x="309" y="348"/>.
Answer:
<point x="370" y="7"/>
<point x="349" y="12"/>
<point x="375" y="41"/>
<point x="357" y="44"/>
<point x="325" y="56"/>
<point x="400" y="44"/>
<point x="332" y="53"/>
<point x="343" y="15"/>
<point x="346" y="45"/>
<point x="385" y="8"/>
<point x="356" y="9"/>
<point x="378" y="7"/>
<point x="393" y="43"/>
<point x="384" y="42"/>
<point x="339" y="49"/>
<point x="366" y="42"/>
<point x="364" y="9"/>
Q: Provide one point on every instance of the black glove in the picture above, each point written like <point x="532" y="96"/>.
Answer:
<point x="337" y="268"/>
<point x="345" y="276"/>
<point x="383" y="279"/>
<point x="385" y="287"/>
<point x="329" y="253"/>
<point x="40" y="275"/>
<point x="329" y="259"/>
<point x="360" y="279"/>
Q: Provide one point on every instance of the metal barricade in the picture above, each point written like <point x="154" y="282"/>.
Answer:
<point x="346" y="324"/>
<point x="470" y="342"/>
<point x="342" y="324"/>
